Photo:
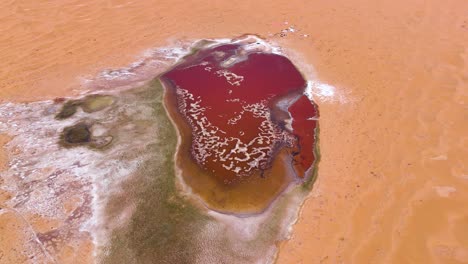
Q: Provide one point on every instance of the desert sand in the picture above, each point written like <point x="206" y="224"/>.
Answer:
<point x="392" y="183"/>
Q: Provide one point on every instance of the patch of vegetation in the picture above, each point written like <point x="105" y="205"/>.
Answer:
<point x="96" y="102"/>
<point x="164" y="226"/>
<point x="89" y="104"/>
<point x="68" y="109"/>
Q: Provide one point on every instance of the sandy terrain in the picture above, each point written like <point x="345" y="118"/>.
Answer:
<point x="392" y="184"/>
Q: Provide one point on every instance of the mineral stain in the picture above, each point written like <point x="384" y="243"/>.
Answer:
<point x="247" y="128"/>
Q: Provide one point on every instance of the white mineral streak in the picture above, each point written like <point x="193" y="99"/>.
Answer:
<point x="209" y="142"/>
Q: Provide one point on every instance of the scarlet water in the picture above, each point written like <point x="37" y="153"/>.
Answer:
<point x="235" y="103"/>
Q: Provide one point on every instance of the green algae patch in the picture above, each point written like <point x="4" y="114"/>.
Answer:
<point x="96" y="102"/>
<point x="68" y="109"/>
<point x="90" y="104"/>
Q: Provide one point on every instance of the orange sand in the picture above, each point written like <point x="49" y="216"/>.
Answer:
<point x="3" y="155"/>
<point x="392" y="185"/>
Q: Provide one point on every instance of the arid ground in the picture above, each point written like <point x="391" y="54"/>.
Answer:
<point x="392" y="184"/>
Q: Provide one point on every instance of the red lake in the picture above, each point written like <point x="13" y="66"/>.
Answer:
<point x="241" y="109"/>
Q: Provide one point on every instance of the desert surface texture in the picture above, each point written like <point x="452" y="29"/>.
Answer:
<point x="392" y="182"/>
